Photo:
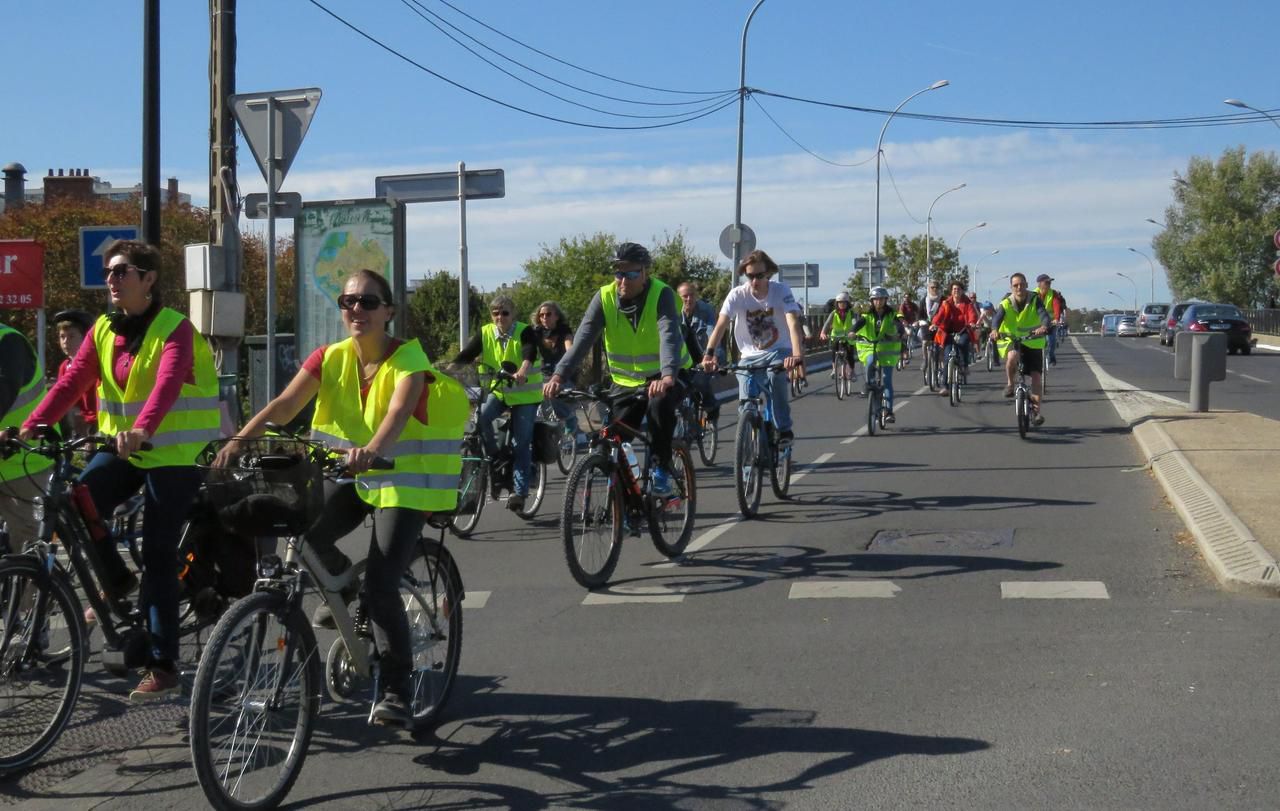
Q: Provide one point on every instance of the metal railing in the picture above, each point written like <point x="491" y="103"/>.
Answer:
<point x="1267" y="321"/>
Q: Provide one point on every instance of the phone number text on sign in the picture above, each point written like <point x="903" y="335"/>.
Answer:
<point x="21" y="274"/>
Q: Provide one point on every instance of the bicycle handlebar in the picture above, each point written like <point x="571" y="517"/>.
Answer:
<point x="51" y="444"/>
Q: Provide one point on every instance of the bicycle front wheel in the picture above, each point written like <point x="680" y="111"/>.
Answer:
<point x="953" y="380"/>
<point x="708" y="438"/>
<point x="39" y="615"/>
<point x="473" y="491"/>
<point x="841" y="379"/>
<point x="537" y="490"/>
<point x="671" y="517"/>
<point x="747" y="473"/>
<point x="780" y="475"/>
<point x="591" y="522"/>
<point x="873" y="408"/>
<point x="254" y="703"/>
<point x="432" y="595"/>
<point x="1022" y="411"/>
<point x="568" y="452"/>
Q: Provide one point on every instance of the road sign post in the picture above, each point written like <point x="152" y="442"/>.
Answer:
<point x="735" y="243"/>
<point x="873" y="269"/>
<point x="803" y="275"/>
<point x="274" y="124"/>
<point x="434" y="187"/>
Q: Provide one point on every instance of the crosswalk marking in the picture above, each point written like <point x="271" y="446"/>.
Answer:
<point x="1054" y="590"/>
<point x="476" y="599"/>
<point x="820" y="589"/>
<point x="618" y="597"/>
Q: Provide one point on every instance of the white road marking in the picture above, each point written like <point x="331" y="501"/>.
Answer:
<point x="821" y="460"/>
<point x="633" y="594"/>
<point x="1054" y="590"/>
<point x="1255" y="379"/>
<point x="476" y="599"/>
<point x="827" y="589"/>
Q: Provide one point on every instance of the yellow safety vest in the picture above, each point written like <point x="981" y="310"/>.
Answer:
<point x="1020" y="322"/>
<point x="195" y="419"/>
<point x="495" y="353"/>
<point x="427" y="456"/>
<point x="635" y="352"/>
<point x="889" y="348"/>
<point x="29" y="396"/>
<point x="840" y="326"/>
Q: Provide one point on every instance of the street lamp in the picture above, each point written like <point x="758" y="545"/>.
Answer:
<point x="991" y="287"/>
<point x="1117" y="295"/>
<point x="1153" y="270"/>
<point x="742" y="101"/>
<point x="880" y="143"/>
<point x="962" y="236"/>
<point x="1153" y="222"/>
<point x="1135" y="288"/>
<point x="928" y="231"/>
<point x="1263" y="113"/>
<point x="978" y="263"/>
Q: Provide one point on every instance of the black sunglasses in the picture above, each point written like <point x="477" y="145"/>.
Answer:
<point x="629" y="275"/>
<point x="755" y="275"/>
<point x="367" y="301"/>
<point x="122" y="270"/>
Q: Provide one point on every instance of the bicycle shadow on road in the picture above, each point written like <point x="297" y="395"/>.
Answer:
<point x="630" y="752"/>
<point x="871" y="503"/>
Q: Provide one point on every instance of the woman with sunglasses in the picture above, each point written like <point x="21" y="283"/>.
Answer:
<point x="377" y="396"/>
<point x="156" y="384"/>
<point x="555" y="338"/>
<point x="508" y="340"/>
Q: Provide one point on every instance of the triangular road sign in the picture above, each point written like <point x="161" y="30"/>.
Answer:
<point x="293" y="110"/>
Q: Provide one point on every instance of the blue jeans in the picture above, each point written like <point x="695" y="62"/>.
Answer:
<point x="781" y="386"/>
<point x="169" y="492"/>
<point x="886" y="377"/>
<point x="521" y="428"/>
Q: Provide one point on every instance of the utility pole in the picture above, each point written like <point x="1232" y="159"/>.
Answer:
<point x="151" y="122"/>
<point x="224" y="229"/>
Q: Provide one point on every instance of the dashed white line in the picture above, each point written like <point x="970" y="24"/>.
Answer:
<point x="623" y="594"/>
<point x="1255" y="379"/>
<point x="829" y="589"/>
<point x="1054" y="590"/>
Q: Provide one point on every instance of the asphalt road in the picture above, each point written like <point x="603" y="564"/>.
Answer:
<point x="1252" y="383"/>
<point x="944" y="616"/>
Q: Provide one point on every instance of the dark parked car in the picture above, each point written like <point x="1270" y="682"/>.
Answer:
<point x="1152" y="317"/>
<point x="1220" y="318"/>
<point x="1170" y="326"/>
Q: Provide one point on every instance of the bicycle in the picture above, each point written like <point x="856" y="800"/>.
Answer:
<point x="957" y="371"/>
<point x="752" y="454"/>
<point x="931" y="365"/>
<point x="484" y="477"/>
<point x="257" y="689"/>
<point x="991" y="352"/>
<point x="44" y="642"/>
<point x="844" y="372"/>
<point x="566" y="441"/>
<point x="608" y="492"/>
<point x="696" y="428"/>
<point x="1022" y="405"/>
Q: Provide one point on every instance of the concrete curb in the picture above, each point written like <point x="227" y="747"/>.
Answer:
<point x="1229" y="547"/>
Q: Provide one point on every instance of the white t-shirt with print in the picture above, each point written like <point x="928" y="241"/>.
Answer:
<point x="760" y="326"/>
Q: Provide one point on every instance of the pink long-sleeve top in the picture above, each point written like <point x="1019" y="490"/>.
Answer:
<point x="177" y="366"/>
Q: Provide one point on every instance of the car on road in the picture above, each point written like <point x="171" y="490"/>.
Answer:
<point x="1127" y="326"/>
<point x="1170" y="326"/>
<point x="1225" y="318"/>
<point x="1110" y="322"/>
<point x="1151" y="317"/>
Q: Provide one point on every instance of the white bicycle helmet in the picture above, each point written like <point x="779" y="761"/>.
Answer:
<point x="879" y="292"/>
<point x="842" y="297"/>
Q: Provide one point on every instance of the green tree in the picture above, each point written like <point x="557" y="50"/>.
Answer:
<point x="906" y="272"/>
<point x="433" y="314"/>
<point x="1217" y="245"/>
<point x="675" y="262"/>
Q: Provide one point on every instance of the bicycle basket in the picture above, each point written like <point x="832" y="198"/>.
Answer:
<point x="273" y="485"/>
<point x="546" y="441"/>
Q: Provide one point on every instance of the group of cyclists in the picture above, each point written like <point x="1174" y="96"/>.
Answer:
<point x="144" y="376"/>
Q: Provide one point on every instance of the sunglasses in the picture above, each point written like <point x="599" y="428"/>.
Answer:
<point x="367" y="301"/>
<point x="120" y="271"/>
<point x="496" y="313"/>
<point x="629" y="275"/>
<point x="755" y="275"/>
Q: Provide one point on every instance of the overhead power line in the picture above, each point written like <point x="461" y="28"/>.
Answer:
<point x="693" y="116"/>
<point x="790" y="137"/>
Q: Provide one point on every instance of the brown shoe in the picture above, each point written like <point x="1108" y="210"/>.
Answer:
<point x="156" y="684"/>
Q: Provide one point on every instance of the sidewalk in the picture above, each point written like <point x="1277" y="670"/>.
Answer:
<point x="1218" y="470"/>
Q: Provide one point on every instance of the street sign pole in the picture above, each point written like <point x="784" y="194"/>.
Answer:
<point x="271" y="248"/>
<point x="806" y="289"/>
<point x="464" y="311"/>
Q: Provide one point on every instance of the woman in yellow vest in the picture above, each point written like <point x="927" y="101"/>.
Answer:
<point x="882" y="325"/>
<point x="156" y="384"/>
<point x="507" y="340"/>
<point x="839" y="324"/>
<point x="377" y="396"/>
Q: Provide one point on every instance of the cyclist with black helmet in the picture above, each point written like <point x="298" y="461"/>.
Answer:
<point x="882" y="326"/>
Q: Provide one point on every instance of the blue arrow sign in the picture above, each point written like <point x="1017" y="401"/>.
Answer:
<point x="94" y="241"/>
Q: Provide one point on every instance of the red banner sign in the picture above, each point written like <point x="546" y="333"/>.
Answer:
<point x="21" y="274"/>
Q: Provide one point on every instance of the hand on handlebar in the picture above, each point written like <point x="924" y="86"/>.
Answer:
<point x="822" y="336"/>
<point x="130" y="442"/>
<point x="794" y="362"/>
<point x="709" y="362"/>
<point x="661" y="386"/>
<point x="360" y="460"/>
<point x="552" y="387"/>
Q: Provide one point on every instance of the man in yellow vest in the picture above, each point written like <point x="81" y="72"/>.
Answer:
<point x="1056" y="306"/>
<point x="21" y="388"/>
<point x="1022" y="313"/>
<point x="640" y="321"/>
<point x="508" y="340"/>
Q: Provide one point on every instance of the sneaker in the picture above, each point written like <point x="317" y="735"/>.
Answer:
<point x="515" y="503"/>
<point x="1008" y="391"/>
<point x="1038" y="419"/>
<point x="349" y="589"/>
<point x="156" y="684"/>
<point x="785" y="438"/>
<point x="660" y="483"/>
<point x="889" y="418"/>
<point x="392" y="710"/>
<point x="944" y="391"/>
<point x="90" y="618"/>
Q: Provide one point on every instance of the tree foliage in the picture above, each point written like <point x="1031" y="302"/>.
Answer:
<point x="906" y="272"/>
<point x="1217" y="243"/>
<point x="433" y="314"/>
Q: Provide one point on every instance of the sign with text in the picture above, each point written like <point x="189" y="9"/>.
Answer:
<point x="21" y="274"/>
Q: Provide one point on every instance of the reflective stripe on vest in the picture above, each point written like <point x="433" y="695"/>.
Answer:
<point x="1020" y="323"/>
<point x="633" y="358"/>
<point x="19" y="465"/>
<point x="494" y="353"/>
<point x="195" y="418"/>
<point x="427" y="456"/>
<point x="889" y="347"/>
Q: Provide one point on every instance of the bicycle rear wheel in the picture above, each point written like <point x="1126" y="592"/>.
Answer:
<point x="671" y="519"/>
<point x="591" y="522"/>
<point x="39" y="614"/>
<point x="708" y="438"/>
<point x="747" y="473"/>
<point x="254" y="703"/>
<point x="432" y="594"/>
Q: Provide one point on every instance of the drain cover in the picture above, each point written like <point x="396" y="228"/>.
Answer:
<point x="955" y="540"/>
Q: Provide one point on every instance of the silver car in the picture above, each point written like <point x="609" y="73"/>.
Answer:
<point x="1128" y="327"/>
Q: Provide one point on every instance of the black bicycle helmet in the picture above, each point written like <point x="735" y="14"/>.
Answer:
<point x="79" y="318"/>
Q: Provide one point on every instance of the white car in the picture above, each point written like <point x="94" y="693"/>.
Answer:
<point x="1128" y="327"/>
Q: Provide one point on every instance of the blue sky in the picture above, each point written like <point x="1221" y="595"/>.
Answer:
<point x="1069" y="202"/>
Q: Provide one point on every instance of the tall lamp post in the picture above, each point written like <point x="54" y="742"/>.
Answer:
<point x="928" y="231"/>
<point x="966" y="233"/>
<point x="742" y="102"/>
<point x="1117" y="295"/>
<point x="880" y="143"/>
<point x="991" y="287"/>
<point x="1263" y="113"/>
<point x="1153" y="270"/>
<point x="978" y="263"/>
<point x="1129" y="279"/>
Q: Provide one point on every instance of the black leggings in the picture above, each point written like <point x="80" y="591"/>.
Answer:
<point x="660" y="412"/>
<point x="392" y="547"/>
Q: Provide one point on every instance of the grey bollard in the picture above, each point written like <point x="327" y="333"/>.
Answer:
<point x="1200" y="357"/>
